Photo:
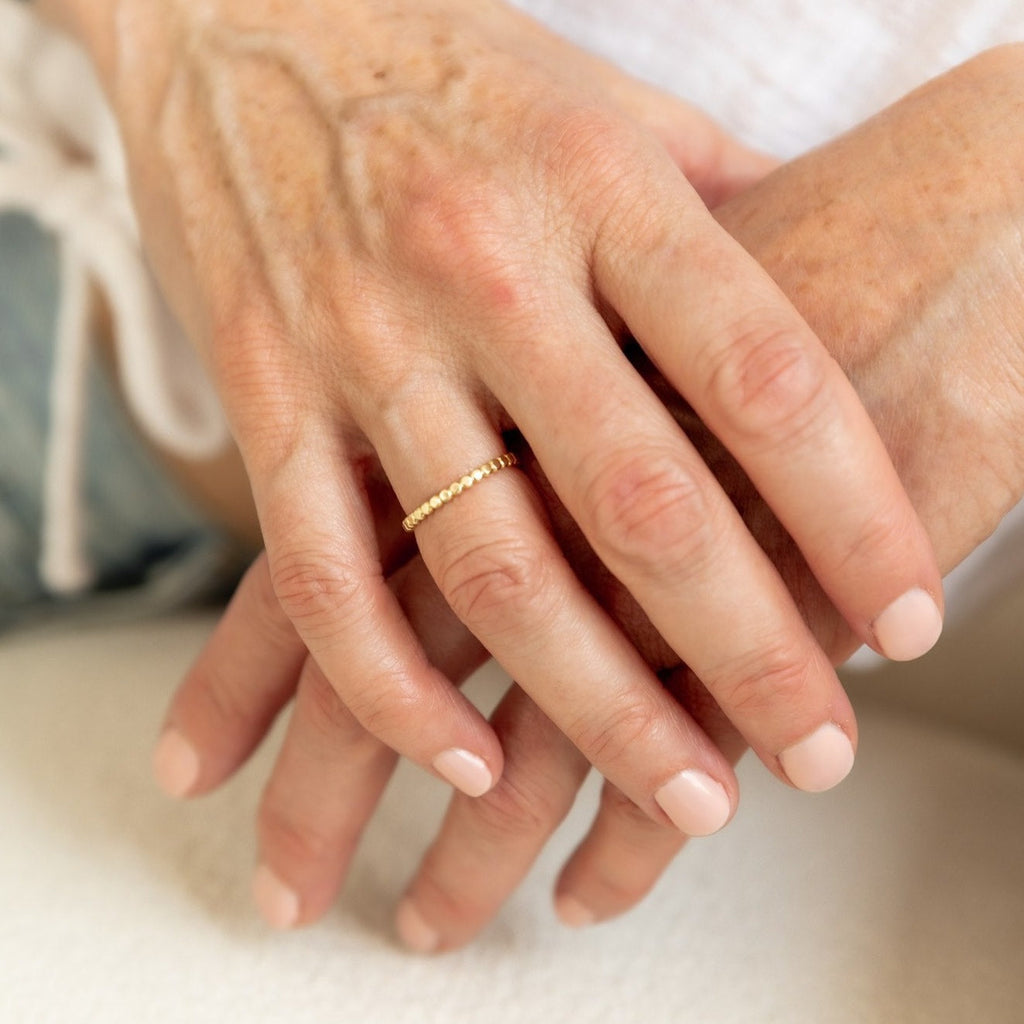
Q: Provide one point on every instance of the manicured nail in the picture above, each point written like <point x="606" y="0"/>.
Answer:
<point x="278" y="904"/>
<point x="414" y="931"/>
<point x="909" y="627"/>
<point x="175" y="764"/>
<point x="696" y="803"/>
<point x="465" y="771"/>
<point x="819" y="761"/>
<point x="574" y="914"/>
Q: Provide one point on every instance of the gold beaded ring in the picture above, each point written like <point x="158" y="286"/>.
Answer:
<point x="455" y="488"/>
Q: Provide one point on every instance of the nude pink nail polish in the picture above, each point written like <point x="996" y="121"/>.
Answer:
<point x="175" y="764"/>
<point x="909" y="627"/>
<point x="465" y="771"/>
<point x="413" y="929"/>
<point x="574" y="914"/>
<point x="696" y="803"/>
<point x="819" y="761"/>
<point x="278" y="903"/>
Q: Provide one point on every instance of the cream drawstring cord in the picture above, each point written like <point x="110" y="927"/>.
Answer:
<point x="61" y="163"/>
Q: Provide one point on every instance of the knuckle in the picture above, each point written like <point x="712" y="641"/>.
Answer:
<point x="649" y="512"/>
<point x="882" y="539"/>
<point x="778" y="676"/>
<point x="515" y="810"/>
<point x="293" y="840"/>
<point x="617" y="735"/>
<point x="466" y="232"/>
<point x="497" y="584"/>
<point x="768" y="382"/>
<point x="319" y="595"/>
<point x="388" y="707"/>
<point x="457" y="905"/>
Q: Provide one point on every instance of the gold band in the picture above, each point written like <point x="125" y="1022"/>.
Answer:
<point x="455" y="488"/>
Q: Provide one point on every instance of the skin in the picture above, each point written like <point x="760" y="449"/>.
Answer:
<point x="903" y="245"/>
<point x="398" y="230"/>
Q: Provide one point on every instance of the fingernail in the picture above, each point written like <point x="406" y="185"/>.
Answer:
<point x="465" y="771"/>
<point x="278" y="904"/>
<point x="819" y="761"/>
<point x="909" y="627"/>
<point x="175" y="764"/>
<point x="696" y="803"/>
<point x="574" y="914"/>
<point x="414" y="931"/>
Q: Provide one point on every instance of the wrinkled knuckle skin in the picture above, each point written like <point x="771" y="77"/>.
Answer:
<point x="774" y="679"/>
<point x="617" y="736"/>
<point x="316" y="594"/>
<point x="769" y="384"/>
<point x="649" y="513"/>
<point x="458" y="908"/>
<point x="292" y="841"/>
<point x="496" y="585"/>
<point x="387" y="709"/>
<point x="883" y="540"/>
<point x="514" y="811"/>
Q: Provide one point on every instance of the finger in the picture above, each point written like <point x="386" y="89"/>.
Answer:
<point x="766" y="387"/>
<point x="325" y="786"/>
<point x="326" y="573"/>
<point x="625" y="853"/>
<point x="247" y="671"/>
<point x="657" y="518"/>
<point x="330" y="772"/>
<point x="245" y="674"/>
<point x="485" y="847"/>
<point x="498" y="567"/>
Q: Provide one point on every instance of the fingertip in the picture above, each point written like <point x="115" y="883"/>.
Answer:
<point x="277" y="902"/>
<point x="176" y="764"/>
<point x="697" y="804"/>
<point x="467" y="772"/>
<point x="819" y="761"/>
<point x="573" y="913"/>
<point x="414" y="931"/>
<point x="909" y="627"/>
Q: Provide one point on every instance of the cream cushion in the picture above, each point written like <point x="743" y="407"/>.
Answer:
<point x="897" y="898"/>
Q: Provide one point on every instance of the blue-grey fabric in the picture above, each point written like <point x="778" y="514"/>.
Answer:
<point x="148" y="545"/>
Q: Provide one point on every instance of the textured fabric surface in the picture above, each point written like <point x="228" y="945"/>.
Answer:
<point x="142" y="538"/>
<point x="895" y="899"/>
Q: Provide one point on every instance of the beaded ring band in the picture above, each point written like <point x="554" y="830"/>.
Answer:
<point x="455" y="488"/>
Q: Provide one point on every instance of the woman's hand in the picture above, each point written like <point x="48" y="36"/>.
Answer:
<point x="902" y="244"/>
<point x="399" y="229"/>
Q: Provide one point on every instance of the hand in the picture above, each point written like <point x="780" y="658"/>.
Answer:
<point x="934" y="187"/>
<point x="937" y="237"/>
<point x="397" y="230"/>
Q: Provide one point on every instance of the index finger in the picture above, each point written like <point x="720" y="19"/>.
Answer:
<point x="726" y="337"/>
